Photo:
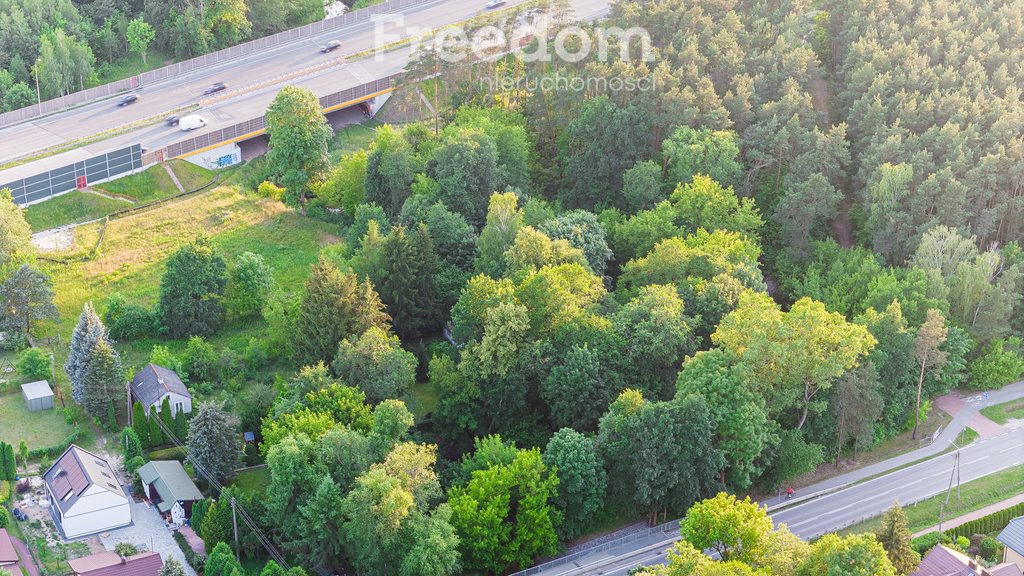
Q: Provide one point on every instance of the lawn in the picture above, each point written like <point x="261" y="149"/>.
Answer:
<point x="37" y="429"/>
<point x="252" y="481"/>
<point x="70" y="208"/>
<point x="421" y="399"/>
<point x="1001" y="413"/>
<point x="352" y="138"/>
<point x="154" y="183"/>
<point x="135" y="248"/>
<point x="974" y="495"/>
<point x="151" y="184"/>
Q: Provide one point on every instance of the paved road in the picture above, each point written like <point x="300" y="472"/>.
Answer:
<point x="830" y="505"/>
<point x="159" y="98"/>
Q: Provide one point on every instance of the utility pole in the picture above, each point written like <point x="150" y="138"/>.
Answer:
<point x="954" y="472"/>
<point x="234" y="522"/>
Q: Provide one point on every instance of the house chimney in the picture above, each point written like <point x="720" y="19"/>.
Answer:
<point x="123" y="559"/>
<point x="972" y="565"/>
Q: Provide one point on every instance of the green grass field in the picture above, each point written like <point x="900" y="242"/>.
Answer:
<point x="352" y="138"/>
<point x="70" y="208"/>
<point x="154" y="183"/>
<point x="135" y="248"/>
<point x="253" y="481"/>
<point x="1001" y="413"/>
<point x="37" y="429"/>
<point x="974" y="495"/>
<point x="151" y="184"/>
<point x="130" y="65"/>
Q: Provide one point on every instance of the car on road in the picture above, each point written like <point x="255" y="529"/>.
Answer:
<point x="128" y="99"/>
<point x="494" y="4"/>
<point x="214" y="88"/>
<point x="191" y="122"/>
<point x="330" y="46"/>
<point x="172" y="120"/>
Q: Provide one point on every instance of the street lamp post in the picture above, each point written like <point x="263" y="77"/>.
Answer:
<point x="39" y="101"/>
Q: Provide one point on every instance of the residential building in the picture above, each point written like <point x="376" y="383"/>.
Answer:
<point x="1012" y="537"/>
<point x="167" y="484"/>
<point x="85" y="497"/>
<point x="154" y="383"/>
<point x="943" y="561"/>
<point x="113" y="564"/>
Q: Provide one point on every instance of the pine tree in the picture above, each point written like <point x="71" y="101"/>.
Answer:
<point x="88" y="330"/>
<point x="213" y="440"/>
<point x="140" y="424"/>
<point x="401" y="286"/>
<point x="156" y="436"/>
<point x="895" y="537"/>
<point x="102" y="379"/>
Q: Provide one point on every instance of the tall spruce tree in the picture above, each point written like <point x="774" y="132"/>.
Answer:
<point x="87" y="332"/>
<point x="213" y="440"/>
<point x="401" y="286"/>
<point x="426" y="268"/>
<point x="102" y="381"/>
<point x="895" y="537"/>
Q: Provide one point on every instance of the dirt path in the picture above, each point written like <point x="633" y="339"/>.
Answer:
<point x="27" y="561"/>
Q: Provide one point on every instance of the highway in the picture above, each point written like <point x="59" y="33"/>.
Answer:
<point x="235" y="104"/>
<point x="835" y="510"/>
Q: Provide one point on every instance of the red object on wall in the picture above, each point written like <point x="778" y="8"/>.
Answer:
<point x="81" y="183"/>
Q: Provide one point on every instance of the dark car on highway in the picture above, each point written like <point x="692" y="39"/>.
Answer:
<point x="214" y="88"/>
<point x="494" y="4"/>
<point x="128" y="99"/>
<point x="331" y="46"/>
<point x="172" y="120"/>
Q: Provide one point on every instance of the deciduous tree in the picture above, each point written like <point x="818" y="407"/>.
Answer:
<point x="930" y="337"/>
<point x="581" y="480"/>
<point x="299" y="134"/>
<point x="191" y="290"/>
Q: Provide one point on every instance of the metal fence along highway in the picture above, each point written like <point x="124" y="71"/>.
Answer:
<point x="73" y="176"/>
<point x="251" y="127"/>
<point x="205" y="60"/>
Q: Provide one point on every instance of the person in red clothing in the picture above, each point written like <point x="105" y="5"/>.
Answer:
<point x="789" y="492"/>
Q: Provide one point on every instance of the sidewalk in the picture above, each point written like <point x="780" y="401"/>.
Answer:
<point x="964" y="411"/>
<point x="954" y="522"/>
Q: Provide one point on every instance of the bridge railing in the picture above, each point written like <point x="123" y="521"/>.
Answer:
<point x="205" y="60"/>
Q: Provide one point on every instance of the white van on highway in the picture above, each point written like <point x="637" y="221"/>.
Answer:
<point x="191" y="122"/>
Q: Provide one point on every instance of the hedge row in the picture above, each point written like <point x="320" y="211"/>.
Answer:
<point x="987" y="524"/>
<point x="196" y="561"/>
<point x="54" y="451"/>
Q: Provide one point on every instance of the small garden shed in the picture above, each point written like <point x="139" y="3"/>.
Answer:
<point x="38" y="395"/>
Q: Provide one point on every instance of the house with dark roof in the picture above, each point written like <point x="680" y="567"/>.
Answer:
<point x="113" y="564"/>
<point x="943" y="561"/>
<point x="85" y="497"/>
<point x="167" y="484"/>
<point x="1012" y="537"/>
<point x="8" y="555"/>
<point x="154" y="383"/>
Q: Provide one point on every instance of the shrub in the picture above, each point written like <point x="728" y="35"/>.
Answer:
<point x="1000" y="364"/>
<point x="126" y="549"/>
<point x="200" y="360"/>
<point x="23" y="486"/>
<point x="925" y="542"/>
<point x="990" y="549"/>
<point x="14" y="341"/>
<point x="132" y="321"/>
<point x="5" y="491"/>
<point x="196" y="561"/>
<point x="962" y="543"/>
<point x="5" y="518"/>
<point x="268" y="189"/>
<point x="34" y="364"/>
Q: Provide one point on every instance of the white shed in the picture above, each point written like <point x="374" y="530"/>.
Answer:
<point x="38" y="395"/>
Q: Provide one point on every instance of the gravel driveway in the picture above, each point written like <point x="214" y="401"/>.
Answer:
<point x="149" y="532"/>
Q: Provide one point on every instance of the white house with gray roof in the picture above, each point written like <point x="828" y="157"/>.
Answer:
<point x="154" y="383"/>
<point x="85" y="497"/>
